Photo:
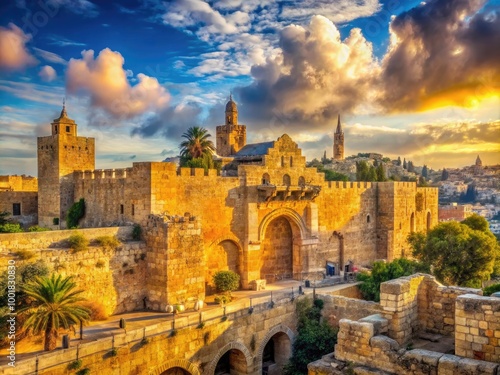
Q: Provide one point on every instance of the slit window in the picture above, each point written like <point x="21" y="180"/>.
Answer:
<point x="55" y="128"/>
<point x="16" y="209"/>
<point x="133" y="210"/>
<point x="121" y="209"/>
<point x="67" y="129"/>
<point x="367" y="218"/>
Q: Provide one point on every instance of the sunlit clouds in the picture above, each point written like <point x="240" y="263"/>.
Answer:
<point x="14" y="55"/>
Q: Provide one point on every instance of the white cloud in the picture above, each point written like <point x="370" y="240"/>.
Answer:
<point x="82" y="7"/>
<point x="50" y="56"/>
<point x="33" y="92"/>
<point x="47" y="73"/>
<point x="105" y="80"/>
<point x="13" y="52"/>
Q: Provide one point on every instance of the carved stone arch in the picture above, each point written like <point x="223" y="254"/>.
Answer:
<point x="291" y="215"/>
<point x="277" y="329"/>
<point x="210" y="368"/>
<point x="226" y="237"/>
<point x="182" y="363"/>
<point x="224" y="253"/>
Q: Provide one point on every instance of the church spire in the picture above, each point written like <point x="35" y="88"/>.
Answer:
<point x="63" y="112"/>
<point x="339" y="126"/>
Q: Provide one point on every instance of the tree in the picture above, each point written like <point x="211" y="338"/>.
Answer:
<point x="444" y="175"/>
<point x="380" y="173"/>
<point x="196" y="144"/>
<point x="470" y="195"/>
<point x="381" y="272"/>
<point x="55" y="304"/>
<point x="425" y="171"/>
<point x="459" y="254"/>
<point x="314" y="339"/>
<point x="404" y="164"/>
<point x="399" y="161"/>
<point x="411" y="167"/>
<point x="334" y="176"/>
<point x="361" y="170"/>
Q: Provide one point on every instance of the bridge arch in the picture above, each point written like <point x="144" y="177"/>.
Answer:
<point x="235" y="345"/>
<point x="282" y="339"/>
<point x="176" y="363"/>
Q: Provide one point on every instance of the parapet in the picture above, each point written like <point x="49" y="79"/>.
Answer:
<point x="101" y="174"/>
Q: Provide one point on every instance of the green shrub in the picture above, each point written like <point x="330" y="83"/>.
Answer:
<point x="108" y="242"/>
<point x="226" y="281"/>
<point x="489" y="290"/>
<point x="10" y="228"/>
<point x="75" y="365"/>
<point x="36" y="228"/>
<point x="75" y="213"/>
<point x="24" y="254"/>
<point x="222" y="299"/>
<point x="314" y="339"/>
<point x="83" y="371"/>
<point x="78" y="242"/>
<point x="137" y="232"/>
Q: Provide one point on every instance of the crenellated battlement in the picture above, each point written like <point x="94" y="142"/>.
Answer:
<point x="101" y="174"/>
<point x="350" y="185"/>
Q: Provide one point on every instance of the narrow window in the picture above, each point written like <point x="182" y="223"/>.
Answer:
<point x="121" y="209"/>
<point x="133" y="210"/>
<point x="16" y="209"/>
<point x="367" y="218"/>
<point x="56" y="128"/>
<point x="67" y="129"/>
<point x="282" y="161"/>
<point x="291" y="161"/>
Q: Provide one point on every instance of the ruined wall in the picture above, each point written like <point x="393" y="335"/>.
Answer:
<point x="176" y="266"/>
<point x="337" y="308"/>
<point x="29" y="206"/>
<point x="361" y="342"/>
<point x="111" y="277"/>
<point x="436" y="305"/>
<point x="477" y="327"/>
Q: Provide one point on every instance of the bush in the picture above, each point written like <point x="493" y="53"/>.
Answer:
<point x="36" y="228"/>
<point x="370" y="281"/>
<point x="75" y="213"/>
<point x="10" y="228"/>
<point x="75" y="365"/>
<point x="222" y="299"/>
<point x="489" y="290"/>
<point x="226" y="281"/>
<point x="83" y="371"/>
<point x="108" y="242"/>
<point x="314" y="339"/>
<point x="24" y="254"/>
<point x="96" y="309"/>
<point x="78" y="242"/>
<point x="137" y="232"/>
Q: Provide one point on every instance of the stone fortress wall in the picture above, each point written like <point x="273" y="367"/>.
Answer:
<point x="21" y="190"/>
<point x="113" y="278"/>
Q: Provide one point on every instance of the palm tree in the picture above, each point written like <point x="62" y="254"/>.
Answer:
<point x="54" y="305"/>
<point x="196" y="144"/>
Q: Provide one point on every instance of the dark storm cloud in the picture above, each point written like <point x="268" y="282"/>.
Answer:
<point x="441" y="49"/>
<point x="171" y="122"/>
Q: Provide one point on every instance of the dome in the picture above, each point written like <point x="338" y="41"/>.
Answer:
<point x="231" y="106"/>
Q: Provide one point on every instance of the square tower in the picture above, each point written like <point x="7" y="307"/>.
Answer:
<point x="58" y="156"/>
<point x="231" y="137"/>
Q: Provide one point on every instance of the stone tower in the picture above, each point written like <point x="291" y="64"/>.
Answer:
<point x="338" y="142"/>
<point x="479" y="163"/>
<point x="58" y="156"/>
<point x="231" y="137"/>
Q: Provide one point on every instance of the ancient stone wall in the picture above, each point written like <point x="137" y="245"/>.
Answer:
<point x="362" y="342"/>
<point x="176" y="266"/>
<point x="340" y="307"/>
<point x="111" y="277"/>
<point x="28" y="203"/>
<point x="436" y="305"/>
<point x="18" y="183"/>
<point x="477" y="327"/>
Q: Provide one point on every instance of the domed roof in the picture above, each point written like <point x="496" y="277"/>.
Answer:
<point x="231" y="106"/>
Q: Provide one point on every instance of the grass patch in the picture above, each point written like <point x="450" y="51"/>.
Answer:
<point x="108" y="242"/>
<point x="24" y="254"/>
<point x="78" y="242"/>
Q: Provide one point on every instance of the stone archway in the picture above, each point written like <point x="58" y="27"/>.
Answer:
<point x="175" y="367"/>
<point x="233" y="358"/>
<point x="223" y="255"/>
<point x="275" y="350"/>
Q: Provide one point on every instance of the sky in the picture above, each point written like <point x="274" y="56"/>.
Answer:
<point x="420" y="80"/>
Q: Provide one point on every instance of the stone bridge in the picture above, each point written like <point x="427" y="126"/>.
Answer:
<point x="238" y="340"/>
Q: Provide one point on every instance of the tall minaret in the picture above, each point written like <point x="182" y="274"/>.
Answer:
<point x="231" y="137"/>
<point x="338" y="142"/>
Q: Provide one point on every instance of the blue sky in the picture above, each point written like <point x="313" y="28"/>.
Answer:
<point x="410" y="79"/>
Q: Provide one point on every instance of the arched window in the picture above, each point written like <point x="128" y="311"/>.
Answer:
<point x="266" y="180"/>
<point x="286" y="180"/>
<point x="367" y="218"/>
<point x="302" y="181"/>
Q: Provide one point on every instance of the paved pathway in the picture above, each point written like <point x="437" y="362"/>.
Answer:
<point x="140" y="319"/>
